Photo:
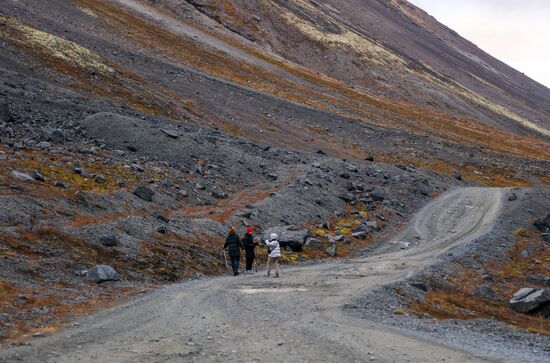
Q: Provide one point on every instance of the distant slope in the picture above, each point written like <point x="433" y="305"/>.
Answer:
<point x="353" y="78"/>
<point x="394" y="48"/>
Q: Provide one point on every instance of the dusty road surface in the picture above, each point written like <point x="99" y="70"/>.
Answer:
<point x="297" y="318"/>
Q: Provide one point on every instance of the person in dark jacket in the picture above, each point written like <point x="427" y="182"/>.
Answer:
<point x="234" y="245"/>
<point x="249" y="246"/>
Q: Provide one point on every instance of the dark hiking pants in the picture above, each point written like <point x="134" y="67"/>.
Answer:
<point x="235" y="264"/>
<point x="249" y="261"/>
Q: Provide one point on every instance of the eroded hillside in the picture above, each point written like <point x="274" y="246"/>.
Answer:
<point x="133" y="133"/>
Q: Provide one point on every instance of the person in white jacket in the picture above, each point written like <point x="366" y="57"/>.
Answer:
<point x="274" y="255"/>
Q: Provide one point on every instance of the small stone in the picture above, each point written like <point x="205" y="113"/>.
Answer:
<point x="219" y="194"/>
<point x="162" y="230"/>
<point x="170" y="133"/>
<point x="60" y="185"/>
<point x="100" y="179"/>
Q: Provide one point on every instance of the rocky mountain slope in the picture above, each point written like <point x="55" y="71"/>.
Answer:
<point x="133" y="133"/>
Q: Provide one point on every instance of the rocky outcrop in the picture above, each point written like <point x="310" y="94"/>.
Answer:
<point x="288" y="236"/>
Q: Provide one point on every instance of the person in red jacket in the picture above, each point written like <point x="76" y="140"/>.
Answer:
<point x="249" y="246"/>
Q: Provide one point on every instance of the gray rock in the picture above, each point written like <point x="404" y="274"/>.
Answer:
<point x="162" y="230"/>
<point x="100" y="179"/>
<point x="144" y="193"/>
<point x="513" y="196"/>
<point x="101" y="273"/>
<point x="137" y="167"/>
<point x="108" y="241"/>
<point x="57" y="136"/>
<point x="359" y="234"/>
<point x="486" y="293"/>
<point x="348" y="198"/>
<point x="170" y="133"/>
<point x="21" y="176"/>
<point x="314" y="244"/>
<point x="162" y="218"/>
<point x="528" y="299"/>
<point x="37" y="176"/>
<point x="219" y="194"/>
<point x="288" y="236"/>
<point x="378" y="195"/>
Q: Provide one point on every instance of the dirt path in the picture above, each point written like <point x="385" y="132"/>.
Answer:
<point x="298" y="318"/>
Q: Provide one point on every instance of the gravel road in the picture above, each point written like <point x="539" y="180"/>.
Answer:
<point x="297" y="318"/>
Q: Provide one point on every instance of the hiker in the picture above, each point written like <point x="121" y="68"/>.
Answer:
<point x="249" y="246"/>
<point x="234" y="245"/>
<point x="274" y="253"/>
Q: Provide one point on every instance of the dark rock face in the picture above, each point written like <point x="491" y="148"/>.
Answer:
<point x="144" y="193"/>
<point x="109" y="241"/>
<point x="5" y="115"/>
<point x="101" y="273"/>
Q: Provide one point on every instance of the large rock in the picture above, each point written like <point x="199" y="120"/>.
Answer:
<point x="288" y="236"/>
<point x="144" y="193"/>
<point x="528" y="299"/>
<point x="21" y="176"/>
<point x="101" y="273"/>
<point x="543" y="225"/>
<point x="57" y="136"/>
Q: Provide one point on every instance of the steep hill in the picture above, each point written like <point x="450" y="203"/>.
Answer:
<point x="133" y="133"/>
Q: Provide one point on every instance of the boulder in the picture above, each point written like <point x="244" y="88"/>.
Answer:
<point x="21" y="176"/>
<point x="528" y="299"/>
<point x="288" y="236"/>
<point x="378" y="195"/>
<point x="144" y="193"/>
<point x="101" y="273"/>
<point x="543" y="225"/>
<point x="57" y="136"/>
<point x="348" y="198"/>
